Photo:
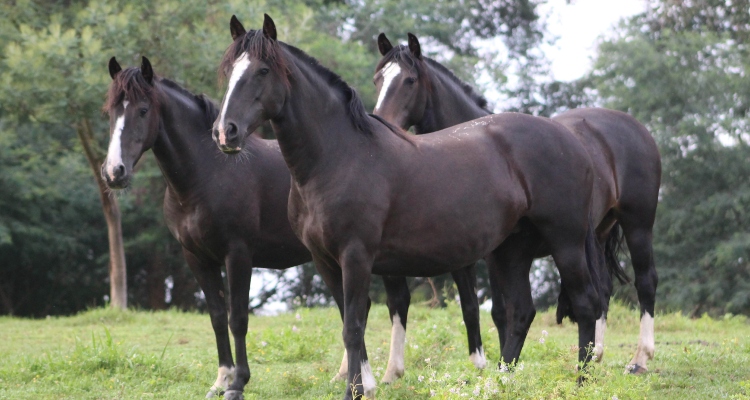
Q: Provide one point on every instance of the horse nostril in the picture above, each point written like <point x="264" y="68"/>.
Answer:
<point x="120" y="171"/>
<point x="231" y="131"/>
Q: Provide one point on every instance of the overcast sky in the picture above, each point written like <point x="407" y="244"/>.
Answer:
<point x="578" y="25"/>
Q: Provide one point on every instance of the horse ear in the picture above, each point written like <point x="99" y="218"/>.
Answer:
<point x="269" y="28"/>
<point x="384" y="45"/>
<point x="146" y="70"/>
<point x="114" y="67"/>
<point x="236" y="28"/>
<point x="414" y="46"/>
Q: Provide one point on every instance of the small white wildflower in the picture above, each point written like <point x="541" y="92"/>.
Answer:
<point x="447" y="375"/>
<point x="593" y="358"/>
<point x="454" y="390"/>
<point x="541" y="340"/>
<point x="432" y="393"/>
<point x="615" y="397"/>
<point x="545" y="333"/>
<point x="427" y="360"/>
<point x="520" y="367"/>
<point x="503" y="368"/>
<point x="420" y="378"/>
<point x="377" y="373"/>
<point x="434" y="327"/>
<point x="415" y="346"/>
<point x="298" y="317"/>
<point x="264" y="343"/>
<point x="504" y="379"/>
<point x="476" y="391"/>
<point x="294" y="328"/>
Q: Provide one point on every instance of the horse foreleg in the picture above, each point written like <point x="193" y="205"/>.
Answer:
<point x="466" y="282"/>
<point x="331" y="275"/>
<point x="398" y="302"/>
<point x="239" y="273"/>
<point x="209" y="279"/>
<point x="356" y="265"/>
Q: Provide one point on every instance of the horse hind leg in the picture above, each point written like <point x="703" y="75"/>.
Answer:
<point x="509" y="267"/>
<point x="640" y="245"/>
<point x="466" y="282"/>
<point x="398" y="302"/>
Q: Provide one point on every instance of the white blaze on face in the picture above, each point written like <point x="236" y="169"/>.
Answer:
<point x="238" y="69"/>
<point x="390" y="72"/>
<point x="368" y="380"/>
<point x="223" y="380"/>
<point x="114" y="153"/>
<point x="395" y="367"/>
<point x="601" y="327"/>
<point x="478" y="358"/>
<point x="645" y="350"/>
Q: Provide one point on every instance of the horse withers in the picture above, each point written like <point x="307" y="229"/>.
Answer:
<point x="414" y="90"/>
<point x="368" y="198"/>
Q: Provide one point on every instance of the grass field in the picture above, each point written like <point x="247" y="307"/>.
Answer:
<point x="105" y="354"/>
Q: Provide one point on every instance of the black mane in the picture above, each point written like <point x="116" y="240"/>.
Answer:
<point x="210" y="111"/>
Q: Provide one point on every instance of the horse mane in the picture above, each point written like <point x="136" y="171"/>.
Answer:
<point x="130" y="84"/>
<point x="257" y="45"/>
<point x="210" y="111"/>
<point x="401" y="53"/>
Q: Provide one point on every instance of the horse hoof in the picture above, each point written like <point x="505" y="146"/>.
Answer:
<point x="338" y="377"/>
<point x="233" y="395"/>
<point x="636" y="369"/>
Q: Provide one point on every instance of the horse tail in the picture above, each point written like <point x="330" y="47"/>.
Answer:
<point x="612" y="248"/>
<point x="600" y="277"/>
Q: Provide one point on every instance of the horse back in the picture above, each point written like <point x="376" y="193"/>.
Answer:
<point x="626" y="159"/>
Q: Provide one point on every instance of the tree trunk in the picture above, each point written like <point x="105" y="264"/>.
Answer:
<point x="118" y="283"/>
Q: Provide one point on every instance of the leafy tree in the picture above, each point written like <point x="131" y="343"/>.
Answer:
<point x="681" y="69"/>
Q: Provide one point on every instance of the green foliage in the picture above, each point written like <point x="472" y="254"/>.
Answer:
<point x="687" y="83"/>
<point x="109" y="354"/>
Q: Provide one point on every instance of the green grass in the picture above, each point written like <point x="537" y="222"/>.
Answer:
<point x="105" y="354"/>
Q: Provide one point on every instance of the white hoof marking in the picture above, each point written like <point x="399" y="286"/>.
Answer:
<point x="478" y="358"/>
<point x="395" y="367"/>
<point x="368" y="380"/>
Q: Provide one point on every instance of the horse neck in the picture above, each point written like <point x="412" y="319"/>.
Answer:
<point x="447" y="105"/>
<point x="183" y="143"/>
<point x="314" y="126"/>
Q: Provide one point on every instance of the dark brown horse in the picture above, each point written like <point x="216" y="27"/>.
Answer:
<point x="414" y="90"/>
<point x="367" y="198"/>
<point x="222" y="211"/>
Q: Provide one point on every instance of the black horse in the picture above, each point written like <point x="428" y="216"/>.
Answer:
<point x="221" y="211"/>
<point x="368" y="198"/>
<point x="414" y="90"/>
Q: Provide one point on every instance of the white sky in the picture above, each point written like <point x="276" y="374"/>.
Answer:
<point x="578" y="26"/>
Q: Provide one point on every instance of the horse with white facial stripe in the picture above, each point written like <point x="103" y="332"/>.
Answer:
<point x="368" y="198"/>
<point x="414" y="90"/>
<point x="220" y="210"/>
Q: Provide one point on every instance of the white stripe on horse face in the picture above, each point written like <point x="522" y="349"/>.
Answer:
<point x="238" y="69"/>
<point x="390" y="72"/>
<point x="395" y="367"/>
<point x="114" y="153"/>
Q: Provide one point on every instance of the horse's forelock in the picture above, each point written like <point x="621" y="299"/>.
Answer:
<point x="130" y="84"/>
<point x="402" y="55"/>
<point x="256" y="45"/>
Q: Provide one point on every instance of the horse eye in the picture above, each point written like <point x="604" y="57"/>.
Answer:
<point x="410" y="81"/>
<point x="263" y="71"/>
<point x="143" y="111"/>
